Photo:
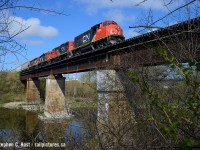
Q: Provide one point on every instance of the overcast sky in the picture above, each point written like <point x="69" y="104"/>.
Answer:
<point x="48" y="31"/>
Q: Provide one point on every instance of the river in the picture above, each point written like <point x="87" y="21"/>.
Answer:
<point x="22" y="129"/>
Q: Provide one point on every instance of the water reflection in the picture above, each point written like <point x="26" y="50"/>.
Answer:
<point x="24" y="126"/>
<point x="11" y="123"/>
<point x="31" y="121"/>
<point x="8" y="135"/>
<point x="76" y="134"/>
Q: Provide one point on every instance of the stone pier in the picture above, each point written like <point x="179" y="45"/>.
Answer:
<point x="32" y="91"/>
<point x="55" y="105"/>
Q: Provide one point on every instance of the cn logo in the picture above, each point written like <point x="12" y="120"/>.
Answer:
<point x="86" y="38"/>
<point x="62" y="49"/>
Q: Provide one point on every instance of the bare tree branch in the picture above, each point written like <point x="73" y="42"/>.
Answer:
<point x="9" y="45"/>
<point x="183" y="6"/>
<point x="35" y="9"/>
<point x="141" y="2"/>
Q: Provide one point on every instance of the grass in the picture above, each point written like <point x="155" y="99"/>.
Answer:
<point x="1" y="103"/>
<point x="9" y="97"/>
<point x="77" y="104"/>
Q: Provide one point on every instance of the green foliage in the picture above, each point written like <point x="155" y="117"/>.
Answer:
<point x="181" y="120"/>
<point x="85" y="88"/>
<point x="78" y="105"/>
<point x="133" y="75"/>
<point x="11" y="88"/>
<point x="75" y="88"/>
<point x="89" y="78"/>
<point x="175" y="116"/>
<point x="164" y="53"/>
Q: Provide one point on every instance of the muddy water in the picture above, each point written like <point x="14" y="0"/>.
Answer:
<point x="23" y="130"/>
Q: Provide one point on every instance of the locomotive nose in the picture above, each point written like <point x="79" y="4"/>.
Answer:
<point x="114" y="31"/>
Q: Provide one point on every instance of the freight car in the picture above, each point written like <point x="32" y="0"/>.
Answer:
<point x="100" y="35"/>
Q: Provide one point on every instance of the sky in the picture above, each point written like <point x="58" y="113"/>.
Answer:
<point x="47" y="31"/>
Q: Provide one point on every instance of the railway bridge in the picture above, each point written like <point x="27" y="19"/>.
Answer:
<point x="142" y="50"/>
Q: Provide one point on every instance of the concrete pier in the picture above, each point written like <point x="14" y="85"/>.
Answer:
<point x="108" y="88"/>
<point x="115" y="115"/>
<point x="32" y="91"/>
<point x="55" y="94"/>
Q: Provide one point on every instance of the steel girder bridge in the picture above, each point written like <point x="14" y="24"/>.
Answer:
<point x="180" y="40"/>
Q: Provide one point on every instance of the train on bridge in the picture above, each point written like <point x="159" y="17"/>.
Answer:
<point x="98" y="36"/>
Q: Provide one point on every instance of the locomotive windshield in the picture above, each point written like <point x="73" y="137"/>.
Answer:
<point x="107" y="23"/>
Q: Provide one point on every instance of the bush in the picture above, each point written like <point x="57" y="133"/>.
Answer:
<point x="11" y="88"/>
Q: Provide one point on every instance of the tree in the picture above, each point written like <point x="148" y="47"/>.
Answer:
<point x="89" y="78"/>
<point x="8" y="42"/>
<point x="171" y="107"/>
<point x="166" y="107"/>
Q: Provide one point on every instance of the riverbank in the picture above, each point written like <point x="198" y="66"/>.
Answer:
<point x="75" y="104"/>
<point x="81" y="103"/>
<point x="13" y="105"/>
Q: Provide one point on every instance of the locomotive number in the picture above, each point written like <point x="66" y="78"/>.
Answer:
<point x="86" y="38"/>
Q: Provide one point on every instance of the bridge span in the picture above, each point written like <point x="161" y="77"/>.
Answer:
<point x="142" y="50"/>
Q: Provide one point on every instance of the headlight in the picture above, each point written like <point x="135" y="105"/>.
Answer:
<point x="114" y="31"/>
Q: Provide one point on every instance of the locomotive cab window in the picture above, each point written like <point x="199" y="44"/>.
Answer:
<point x="98" y="26"/>
<point x="107" y="23"/>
